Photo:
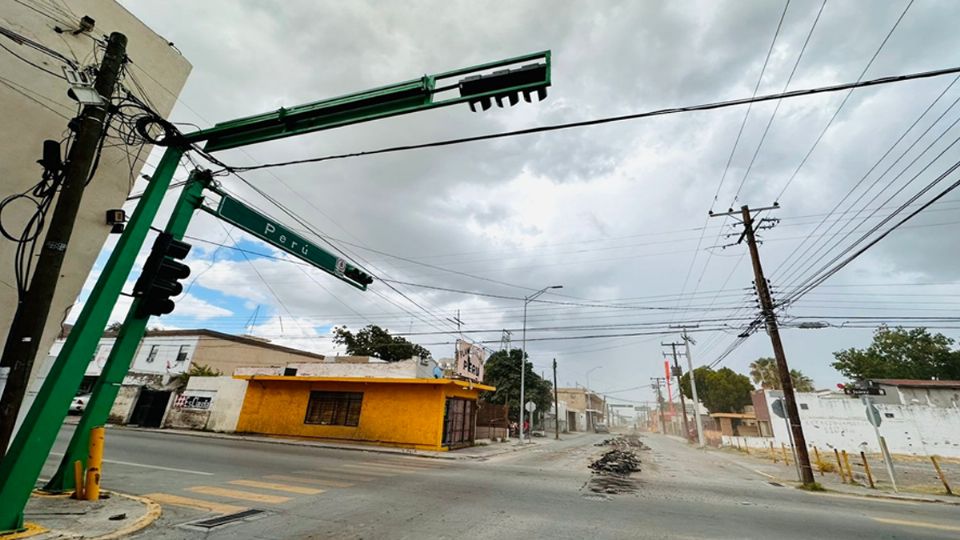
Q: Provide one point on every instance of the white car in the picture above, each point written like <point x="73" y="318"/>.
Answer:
<point x="79" y="403"/>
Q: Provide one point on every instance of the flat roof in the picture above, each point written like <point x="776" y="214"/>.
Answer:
<point x="745" y="416"/>
<point x="375" y="380"/>
<point x="918" y="383"/>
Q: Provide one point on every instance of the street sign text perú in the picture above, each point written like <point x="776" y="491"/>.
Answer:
<point x="283" y="238"/>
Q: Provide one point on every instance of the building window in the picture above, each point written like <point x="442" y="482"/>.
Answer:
<point x="804" y="406"/>
<point x="334" y="408"/>
<point x="152" y="355"/>
<point x="888" y="414"/>
<point x="182" y="353"/>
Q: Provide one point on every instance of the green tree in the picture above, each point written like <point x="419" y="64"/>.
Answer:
<point x="375" y="341"/>
<point x="502" y="370"/>
<point x="197" y="370"/>
<point x="899" y="353"/>
<point x="723" y="390"/>
<point x="764" y="372"/>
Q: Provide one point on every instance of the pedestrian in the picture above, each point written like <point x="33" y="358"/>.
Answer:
<point x="526" y="427"/>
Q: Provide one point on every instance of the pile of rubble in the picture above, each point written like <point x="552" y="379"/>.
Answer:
<point x="630" y="441"/>
<point x="616" y="462"/>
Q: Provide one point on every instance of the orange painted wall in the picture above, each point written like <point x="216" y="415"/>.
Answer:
<point x="395" y="414"/>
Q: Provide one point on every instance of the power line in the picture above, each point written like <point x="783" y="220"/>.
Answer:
<point x="610" y="119"/>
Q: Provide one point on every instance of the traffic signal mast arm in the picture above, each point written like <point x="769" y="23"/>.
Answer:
<point x="476" y="87"/>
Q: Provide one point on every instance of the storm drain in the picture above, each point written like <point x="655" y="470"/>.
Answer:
<point x="223" y="520"/>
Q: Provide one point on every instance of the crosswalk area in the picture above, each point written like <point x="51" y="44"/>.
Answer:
<point x="240" y="494"/>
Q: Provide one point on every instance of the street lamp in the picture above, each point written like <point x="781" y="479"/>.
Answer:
<point x="523" y="353"/>
<point x="590" y="401"/>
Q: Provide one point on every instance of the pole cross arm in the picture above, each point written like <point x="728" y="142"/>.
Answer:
<point x="476" y="85"/>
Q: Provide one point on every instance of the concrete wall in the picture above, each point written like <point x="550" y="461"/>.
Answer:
<point x="405" y="369"/>
<point x="123" y="405"/>
<point x="38" y="108"/>
<point x="396" y="414"/>
<point x="908" y="429"/>
<point x="220" y="414"/>
<point x="227" y="356"/>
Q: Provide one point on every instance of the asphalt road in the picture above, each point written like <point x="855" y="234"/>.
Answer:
<point x="543" y="492"/>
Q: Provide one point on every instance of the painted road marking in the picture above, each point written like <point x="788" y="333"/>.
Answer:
<point x="238" y="494"/>
<point x="920" y="524"/>
<point x="145" y="466"/>
<point x="176" y="500"/>
<point x="382" y="467"/>
<point x="317" y="481"/>
<point x="397" y="466"/>
<point x="365" y="469"/>
<point x="278" y="487"/>
<point x="339" y="475"/>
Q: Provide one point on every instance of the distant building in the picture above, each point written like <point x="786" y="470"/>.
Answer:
<point x="156" y="373"/>
<point x="584" y="408"/>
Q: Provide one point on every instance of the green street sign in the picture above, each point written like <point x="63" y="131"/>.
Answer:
<point x="277" y="235"/>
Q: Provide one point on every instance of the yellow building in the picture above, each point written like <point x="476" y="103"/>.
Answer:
<point x="425" y="414"/>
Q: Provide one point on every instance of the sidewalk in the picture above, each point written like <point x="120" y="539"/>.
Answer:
<point x="481" y="451"/>
<point x="787" y="474"/>
<point x="58" y="516"/>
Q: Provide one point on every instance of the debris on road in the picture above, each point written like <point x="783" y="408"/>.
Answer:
<point x="624" y="441"/>
<point x="617" y="462"/>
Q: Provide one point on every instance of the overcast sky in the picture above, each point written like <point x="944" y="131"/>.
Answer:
<point x="614" y="213"/>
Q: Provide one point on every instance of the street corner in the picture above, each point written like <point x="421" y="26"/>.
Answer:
<point x="115" y="515"/>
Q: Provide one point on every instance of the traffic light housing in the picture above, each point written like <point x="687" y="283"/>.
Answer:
<point x="357" y="275"/>
<point x="506" y="84"/>
<point x="159" y="280"/>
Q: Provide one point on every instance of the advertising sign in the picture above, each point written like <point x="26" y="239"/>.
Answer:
<point x="470" y="360"/>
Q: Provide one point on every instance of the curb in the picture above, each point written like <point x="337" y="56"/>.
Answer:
<point x="153" y="513"/>
<point x="293" y="442"/>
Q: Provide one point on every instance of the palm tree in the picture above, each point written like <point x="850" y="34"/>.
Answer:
<point x="764" y="372"/>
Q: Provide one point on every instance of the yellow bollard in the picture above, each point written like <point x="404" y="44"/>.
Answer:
<point x="866" y="467"/>
<point x="77" y="480"/>
<point x="783" y="449"/>
<point x="91" y="490"/>
<point x="773" y="453"/>
<point x="941" y="475"/>
<point x="846" y="460"/>
<point x="843" y="476"/>
<point x="819" y="461"/>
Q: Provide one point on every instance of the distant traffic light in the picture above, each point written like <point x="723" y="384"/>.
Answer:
<point x="159" y="280"/>
<point x="506" y="83"/>
<point x="358" y="275"/>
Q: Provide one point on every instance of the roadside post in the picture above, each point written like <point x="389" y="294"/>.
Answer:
<point x="943" y="478"/>
<point x="778" y="409"/>
<point x="530" y="407"/>
<point x="873" y="416"/>
<point x="866" y="468"/>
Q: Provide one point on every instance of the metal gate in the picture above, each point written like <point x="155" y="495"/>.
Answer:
<point x="459" y="420"/>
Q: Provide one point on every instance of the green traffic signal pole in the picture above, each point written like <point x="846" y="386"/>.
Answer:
<point x="21" y="466"/>
<point x="124" y="349"/>
<point x="24" y="460"/>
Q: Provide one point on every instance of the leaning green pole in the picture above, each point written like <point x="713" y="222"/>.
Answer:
<point x="121" y="355"/>
<point x="23" y="462"/>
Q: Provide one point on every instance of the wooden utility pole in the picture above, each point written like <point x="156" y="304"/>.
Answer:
<point x="770" y="318"/>
<point x="677" y="372"/>
<point x="656" y="384"/>
<point x="26" y="330"/>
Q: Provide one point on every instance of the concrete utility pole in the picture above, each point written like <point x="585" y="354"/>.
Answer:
<point x="26" y="330"/>
<point x="556" y="403"/>
<point x="693" y="388"/>
<point x="766" y="305"/>
<point x="677" y="372"/>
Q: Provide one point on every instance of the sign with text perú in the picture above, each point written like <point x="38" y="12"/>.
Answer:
<point x="470" y="359"/>
<point x="277" y="235"/>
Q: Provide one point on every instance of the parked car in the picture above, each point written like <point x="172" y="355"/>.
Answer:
<point x="600" y="427"/>
<point x="79" y="403"/>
